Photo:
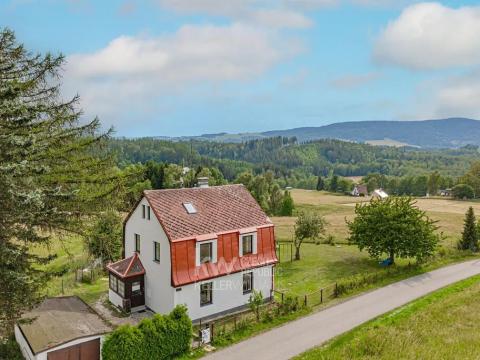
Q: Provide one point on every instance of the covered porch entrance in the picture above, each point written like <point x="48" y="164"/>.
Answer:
<point x="127" y="284"/>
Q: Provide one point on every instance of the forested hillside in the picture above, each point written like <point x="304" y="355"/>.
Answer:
<point x="289" y="159"/>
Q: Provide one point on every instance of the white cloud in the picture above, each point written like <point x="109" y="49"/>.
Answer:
<point x="354" y="80"/>
<point x="456" y="96"/>
<point x="138" y="69"/>
<point x="431" y="36"/>
<point x="275" y="18"/>
<point x="259" y="12"/>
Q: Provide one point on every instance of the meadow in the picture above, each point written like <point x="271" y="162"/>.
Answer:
<point x="442" y="325"/>
<point x="323" y="264"/>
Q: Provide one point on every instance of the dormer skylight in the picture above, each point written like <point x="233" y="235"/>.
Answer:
<point x="190" y="208"/>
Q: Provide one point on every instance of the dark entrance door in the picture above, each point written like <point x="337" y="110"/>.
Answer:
<point x="89" y="350"/>
<point x="137" y="292"/>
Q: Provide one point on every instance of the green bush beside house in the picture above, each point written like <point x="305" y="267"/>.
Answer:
<point x="157" y="338"/>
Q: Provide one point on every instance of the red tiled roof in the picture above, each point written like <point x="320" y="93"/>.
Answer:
<point x="128" y="267"/>
<point x="219" y="209"/>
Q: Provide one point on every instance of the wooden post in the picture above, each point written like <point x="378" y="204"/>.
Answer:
<point x="282" y="297"/>
<point x="305" y="300"/>
<point x="62" y="286"/>
<point x="291" y="252"/>
<point x="211" y="332"/>
<point x="336" y="290"/>
<point x="321" y="296"/>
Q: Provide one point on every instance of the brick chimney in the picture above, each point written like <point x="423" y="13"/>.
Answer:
<point x="202" y="182"/>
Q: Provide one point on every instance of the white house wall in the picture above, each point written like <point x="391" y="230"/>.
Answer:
<point x="114" y="298"/>
<point x="159" y="294"/>
<point x="227" y="292"/>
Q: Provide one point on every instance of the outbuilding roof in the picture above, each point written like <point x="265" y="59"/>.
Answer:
<point x="59" y="320"/>
<point x="217" y="209"/>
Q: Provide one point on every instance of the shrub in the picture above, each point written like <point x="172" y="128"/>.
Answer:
<point x="463" y="191"/>
<point x="9" y="350"/>
<point x="255" y="301"/>
<point x="160" y="337"/>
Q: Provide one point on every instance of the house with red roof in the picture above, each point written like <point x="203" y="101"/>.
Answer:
<point x="205" y="247"/>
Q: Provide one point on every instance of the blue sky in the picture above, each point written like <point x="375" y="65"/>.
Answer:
<point x="184" y="67"/>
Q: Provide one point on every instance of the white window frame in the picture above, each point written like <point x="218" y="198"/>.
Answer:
<point x="250" y="274"/>
<point x="155" y="244"/>
<point x="214" y="251"/>
<point x="211" y="293"/>
<point x="254" y="243"/>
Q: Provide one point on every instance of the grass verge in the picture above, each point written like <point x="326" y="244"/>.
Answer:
<point x="441" y="325"/>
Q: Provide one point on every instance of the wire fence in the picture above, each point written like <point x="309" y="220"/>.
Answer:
<point x="61" y="284"/>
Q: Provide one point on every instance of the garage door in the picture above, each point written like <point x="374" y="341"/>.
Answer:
<point x="89" y="350"/>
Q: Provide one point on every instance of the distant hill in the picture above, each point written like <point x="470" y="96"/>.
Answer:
<point x="444" y="133"/>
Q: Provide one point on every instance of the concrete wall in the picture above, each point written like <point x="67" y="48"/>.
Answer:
<point x="159" y="294"/>
<point x="43" y="355"/>
<point x="115" y="299"/>
<point x="227" y="292"/>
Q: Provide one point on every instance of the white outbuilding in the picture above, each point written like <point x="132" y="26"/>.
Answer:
<point x="61" y="328"/>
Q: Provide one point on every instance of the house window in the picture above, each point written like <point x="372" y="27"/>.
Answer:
<point x="121" y="288"/>
<point x="156" y="251"/>
<point x="247" y="282"/>
<point x="143" y="211"/>
<point x="113" y="283"/>
<point x="205" y="253"/>
<point x="206" y="294"/>
<point x="247" y="244"/>
<point x="136" y="288"/>
<point x="137" y="243"/>
<point x="148" y="212"/>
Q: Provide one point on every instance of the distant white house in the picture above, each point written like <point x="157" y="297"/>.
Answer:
<point x="360" y="190"/>
<point x="379" y="194"/>
<point x="205" y="247"/>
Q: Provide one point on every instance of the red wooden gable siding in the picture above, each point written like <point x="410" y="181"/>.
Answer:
<point x="183" y="254"/>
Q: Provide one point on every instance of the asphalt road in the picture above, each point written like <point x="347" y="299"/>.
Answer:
<point x="298" y="336"/>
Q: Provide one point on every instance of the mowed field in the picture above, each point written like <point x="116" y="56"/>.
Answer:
<point x="338" y="208"/>
<point x="321" y="265"/>
<point x="442" y="325"/>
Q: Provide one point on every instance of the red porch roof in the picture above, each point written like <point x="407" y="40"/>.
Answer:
<point x="131" y="266"/>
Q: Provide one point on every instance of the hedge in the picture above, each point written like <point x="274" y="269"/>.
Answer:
<point x="159" y="337"/>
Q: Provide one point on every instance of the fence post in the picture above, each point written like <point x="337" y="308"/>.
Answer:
<point x="282" y="297"/>
<point x="336" y="289"/>
<point x="305" y="300"/>
<point x="321" y="296"/>
<point x="291" y="252"/>
<point x="211" y="331"/>
<point x="62" y="286"/>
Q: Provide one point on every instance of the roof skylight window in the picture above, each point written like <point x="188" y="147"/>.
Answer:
<point x="190" y="208"/>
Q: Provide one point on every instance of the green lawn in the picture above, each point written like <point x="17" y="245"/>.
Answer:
<point x="442" y="325"/>
<point x="70" y="255"/>
<point x="321" y="265"/>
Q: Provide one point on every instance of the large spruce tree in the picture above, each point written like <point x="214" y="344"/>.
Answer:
<point x="53" y="175"/>
<point x="469" y="240"/>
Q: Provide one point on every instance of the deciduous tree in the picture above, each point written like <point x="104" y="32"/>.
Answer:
<point x="393" y="226"/>
<point x="309" y="225"/>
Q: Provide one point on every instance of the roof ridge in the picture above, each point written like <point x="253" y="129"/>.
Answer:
<point x="192" y="188"/>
